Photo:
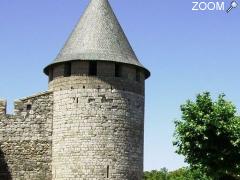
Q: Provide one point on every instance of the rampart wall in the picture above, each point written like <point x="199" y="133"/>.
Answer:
<point x="26" y="139"/>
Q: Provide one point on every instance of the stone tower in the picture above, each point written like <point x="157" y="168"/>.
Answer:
<point x="98" y="101"/>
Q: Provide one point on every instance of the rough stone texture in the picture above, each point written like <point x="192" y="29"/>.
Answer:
<point x="85" y="127"/>
<point x="87" y="82"/>
<point x="26" y="140"/>
<point x="106" y="78"/>
<point x="98" y="123"/>
<point x="3" y="104"/>
<point x="94" y="129"/>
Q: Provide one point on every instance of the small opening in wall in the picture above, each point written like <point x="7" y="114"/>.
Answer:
<point x="108" y="171"/>
<point x="77" y="100"/>
<point x="117" y="70"/>
<point x="92" y="68"/>
<point x="29" y="107"/>
<point x="83" y="87"/>
<point x="50" y="74"/>
<point x="137" y="75"/>
<point x="67" y="69"/>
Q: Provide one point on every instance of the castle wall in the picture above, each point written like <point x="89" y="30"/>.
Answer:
<point x="98" y="134"/>
<point x="88" y="82"/>
<point x="106" y="77"/>
<point x="98" y="124"/>
<point x="25" y="139"/>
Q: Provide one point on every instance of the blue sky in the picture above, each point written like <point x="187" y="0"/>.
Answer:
<point x="187" y="52"/>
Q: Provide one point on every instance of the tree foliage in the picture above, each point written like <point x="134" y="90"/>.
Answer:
<point x="208" y="135"/>
<point x="180" y="174"/>
<point x="156" y="175"/>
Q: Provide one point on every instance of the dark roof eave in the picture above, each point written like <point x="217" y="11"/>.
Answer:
<point x="147" y="72"/>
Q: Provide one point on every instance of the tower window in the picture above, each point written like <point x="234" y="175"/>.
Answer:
<point x="117" y="70"/>
<point x="92" y="68"/>
<point x="50" y="74"/>
<point x="67" y="69"/>
<point x="29" y="107"/>
<point x="137" y="75"/>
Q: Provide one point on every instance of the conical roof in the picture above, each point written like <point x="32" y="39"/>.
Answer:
<point x="98" y="36"/>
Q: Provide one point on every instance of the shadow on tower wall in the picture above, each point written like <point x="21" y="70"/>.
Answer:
<point x="4" y="169"/>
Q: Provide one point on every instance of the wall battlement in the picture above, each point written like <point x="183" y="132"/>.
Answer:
<point x="21" y="106"/>
<point x="26" y="138"/>
<point x="3" y="107"/>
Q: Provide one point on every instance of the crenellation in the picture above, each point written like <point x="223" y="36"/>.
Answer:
<point x="3" y="107"/>
<point x="26" y="139"/>
<point x="18" y="107"/>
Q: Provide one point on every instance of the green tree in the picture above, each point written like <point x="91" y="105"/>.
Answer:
<point x="208" y="135"/>
<point x="180" y="174"/>
<point x="156" y="175"/>
<point x="187" y="174"/>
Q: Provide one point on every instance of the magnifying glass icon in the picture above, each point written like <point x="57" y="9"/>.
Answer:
<point x="234" y="4"/>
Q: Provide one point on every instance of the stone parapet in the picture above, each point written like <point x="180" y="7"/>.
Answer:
<point x="3" y="107"/>
<point x="26" y="139"/>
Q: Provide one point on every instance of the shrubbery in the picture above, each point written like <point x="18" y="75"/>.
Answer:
<point x="180" y="174"/>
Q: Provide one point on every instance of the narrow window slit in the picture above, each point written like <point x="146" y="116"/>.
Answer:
<point x="50" y="74"/>
<point x="29" y="107"/>
<point x="108" y="171"/>
<point x="92" y="68"/>
<point x="137" y="75"/>
<point x="117" y="70"/>
<point x="67" y="69"/>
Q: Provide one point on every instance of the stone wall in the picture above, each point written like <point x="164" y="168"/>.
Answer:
<point x="26" y="139"/>
<point x="98" y="122"/>
<point x="91" y="82"/>
<point x="104" y="69"/>
<point x="98" y="134"/>
<point x="85" y="127"/>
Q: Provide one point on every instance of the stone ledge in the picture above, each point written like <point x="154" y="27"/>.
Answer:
<point x="35" y="95"/>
